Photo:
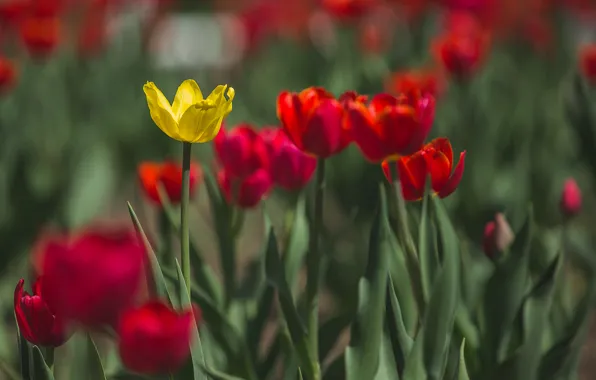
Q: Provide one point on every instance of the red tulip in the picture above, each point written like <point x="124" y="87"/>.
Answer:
<point x="241" y="151"/>
<point x="46" y="8"/>
<point x="427" y="81"/>
<point x="154" y="338"/>
<point x="571" y="198"/>
<point x="291" y="169"/>
<point x="40" y="35"/>
<point x="588" y="62"/>
<point x="8" y="74"/>
<point x="314" y="121"/>
<point x="391" y="126"/>
<point x="92" y="34"/>
<point x="434" y="159"/>
<point x="497" y="236"/>
<point x="461" y="49"/>
<point x="93" y="277"/>
<point x="245" y="192"/>
<point x="347" y="10"/>
<point x="169" y="174"/>
<point x="37" y="323"/>
<point x="12" y="11"/>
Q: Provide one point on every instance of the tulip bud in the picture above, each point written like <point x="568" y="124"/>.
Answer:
<point x="169" y="174"/>
<point x="245" y="192"/>
<point x="91" y="279"/>
<point x="154" y="338"/>
<point x="571" y="198"/>
<point x="497" y="236"/>
<point x="37" y="323"/>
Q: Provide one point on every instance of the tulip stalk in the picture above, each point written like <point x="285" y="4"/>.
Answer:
<point x="184" y="234"/>
<point x="405" y="239"/>
<point x="313" y="262"/>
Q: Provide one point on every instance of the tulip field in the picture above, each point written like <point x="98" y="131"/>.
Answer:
<point x="298" y="189"/>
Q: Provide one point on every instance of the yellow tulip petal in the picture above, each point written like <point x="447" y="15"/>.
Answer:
<point x="211" y="131"/>
<point x="160" y="110"/>
<point x="188" y="93"/>
<point x="217" y="95"/>
<point x="228" y="105"/>
<point x="191" y="124"/>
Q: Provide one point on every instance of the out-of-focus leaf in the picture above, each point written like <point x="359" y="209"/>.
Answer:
<point x="330" y="331"/>
<point x="276" y="275"/>
<point x="93" y="182"/>
<point x="414" y="368"/>
<point x="362" y="354"/>
<point x="39" y="368"/>
<point x="298" y="243"/>
<point x="505" y="292"/>
<point x="400" y="340"/>
<point x="7" y="370"/>
<point x="196" y="349"/>
<point x="440" y="313"/>
<point x="218" y="375"/>
<point x="86" y="362"/>
<point x="24" y="353"/>
<point x="462" y="369"/>
<point x="159" y="283"/>
<point x="402" y="284"/>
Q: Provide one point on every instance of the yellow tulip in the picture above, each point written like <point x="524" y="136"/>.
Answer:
<point x="190" y="118"/>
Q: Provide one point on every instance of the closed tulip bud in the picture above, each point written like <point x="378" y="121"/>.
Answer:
<point x="291" y="169"/>
<point x="241" y="151"/>
<point x="169" y="175"/>
<point x="41" y="35"/>
<point x="498" y="236"/>
<point x="245" y="192"/>
<point x="91" y="278"/>
<point x="154" y="339"/>
<point x="37" y="322"/>
<point x="571" y="198"/>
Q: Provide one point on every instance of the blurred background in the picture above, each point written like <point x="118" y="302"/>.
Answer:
<point x="74" y="123"/>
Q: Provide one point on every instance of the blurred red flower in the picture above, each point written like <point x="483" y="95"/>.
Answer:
<point x="40" y="35"/>
<point x="241" y="151"/>
<point x="12" y="11"/>
<point x="154" y="338"/>
<point x="37" y="323"/>
<point x="291" y="169"/>
<point x="434" y="159"/>
<point x="391" y="126"/>
<point x="169" y="174"/>
<point x="91" y="278"/>
<point x="8" y="74"/>
<point x="46" y="8"/>
<point x="497" y="236"/>
<point x="92" y="33"/>
<point x="427" y="81"/>
<point x="462" y="48"/>
<point x="247" y="191"/>
<point x="348" y="10"/>
<point x="314" y="121"/>
<point x="588" y="62"/>
<point x="571" y="198"/>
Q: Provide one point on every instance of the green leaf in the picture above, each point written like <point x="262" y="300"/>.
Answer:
<point x="7" y="370"/>
<point x="400" y="340"/>
<point x="218" y="375"/>
<point x="39" y="368"/>
<point x="362" y="354"/>
<point x="276" y="275"/>
<point x="462" y="370"/>
<point x="440" y="313"/>
<point x="86" y="362"/>
<point x="402" y="286"/>
<point x="414" y="368"/>
<point x="426" y="249"/>
<point x="24" y="353"/>
<point x="196" y="348"/>
<point x="204" y="274"/>
<point x="158" y="281"/>
<point x="94" y="366"/>
<point x="504" y="294"/>
<point x="297" y="244"/>
<point x="330" y="331"/>
<point x="300" y="374"/>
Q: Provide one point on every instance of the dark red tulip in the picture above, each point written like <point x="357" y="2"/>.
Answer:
<point x="41" y="35"/>
<point x="154" y="339"/>
<point x="169" y="174"/>
<point x="314" y="121"/>
<point x="241" y="151"/>
<point x="347" y="10"/>
<point x="571" y="198"/>
<point x="427" y="81"/>
<point x="12" y="11"/>
<point x="8" y="74"/>
<point x="434" y="159"/>
<point x="245" y="192"/>
<point x="37" y="323"/>
<point x="588" y="62"/>
<point x="291" y="169"/>
<point x="91" y="278"/>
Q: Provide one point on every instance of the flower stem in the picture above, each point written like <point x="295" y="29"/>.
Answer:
<point x="313" y="263"/>
<point x="405" y="239"/>
<point x="184" y="236"/>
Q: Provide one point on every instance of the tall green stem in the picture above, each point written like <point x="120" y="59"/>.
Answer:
<point x="405" y="239"/>
<point x="184" y="236"/>
<point x="313" y="263"/>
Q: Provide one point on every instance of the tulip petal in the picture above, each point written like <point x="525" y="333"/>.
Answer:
<point x="438" y="167"/>
<point x="380" y="102"/>
<point x="443" y="145"/>
<point x="365" y="132"/>
<point x="324" y="130"/>
<point x="455" y="178"/>
<point x="412" y="175"/>
<point x="188" y="93"/>
<point x="289" y="112"/>
<point x="149" y="173"/>
<point x="401" y="130"/>
<point x="161" y="111"/>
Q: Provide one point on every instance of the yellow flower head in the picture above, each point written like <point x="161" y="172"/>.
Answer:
<point x="191" y="118"/>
